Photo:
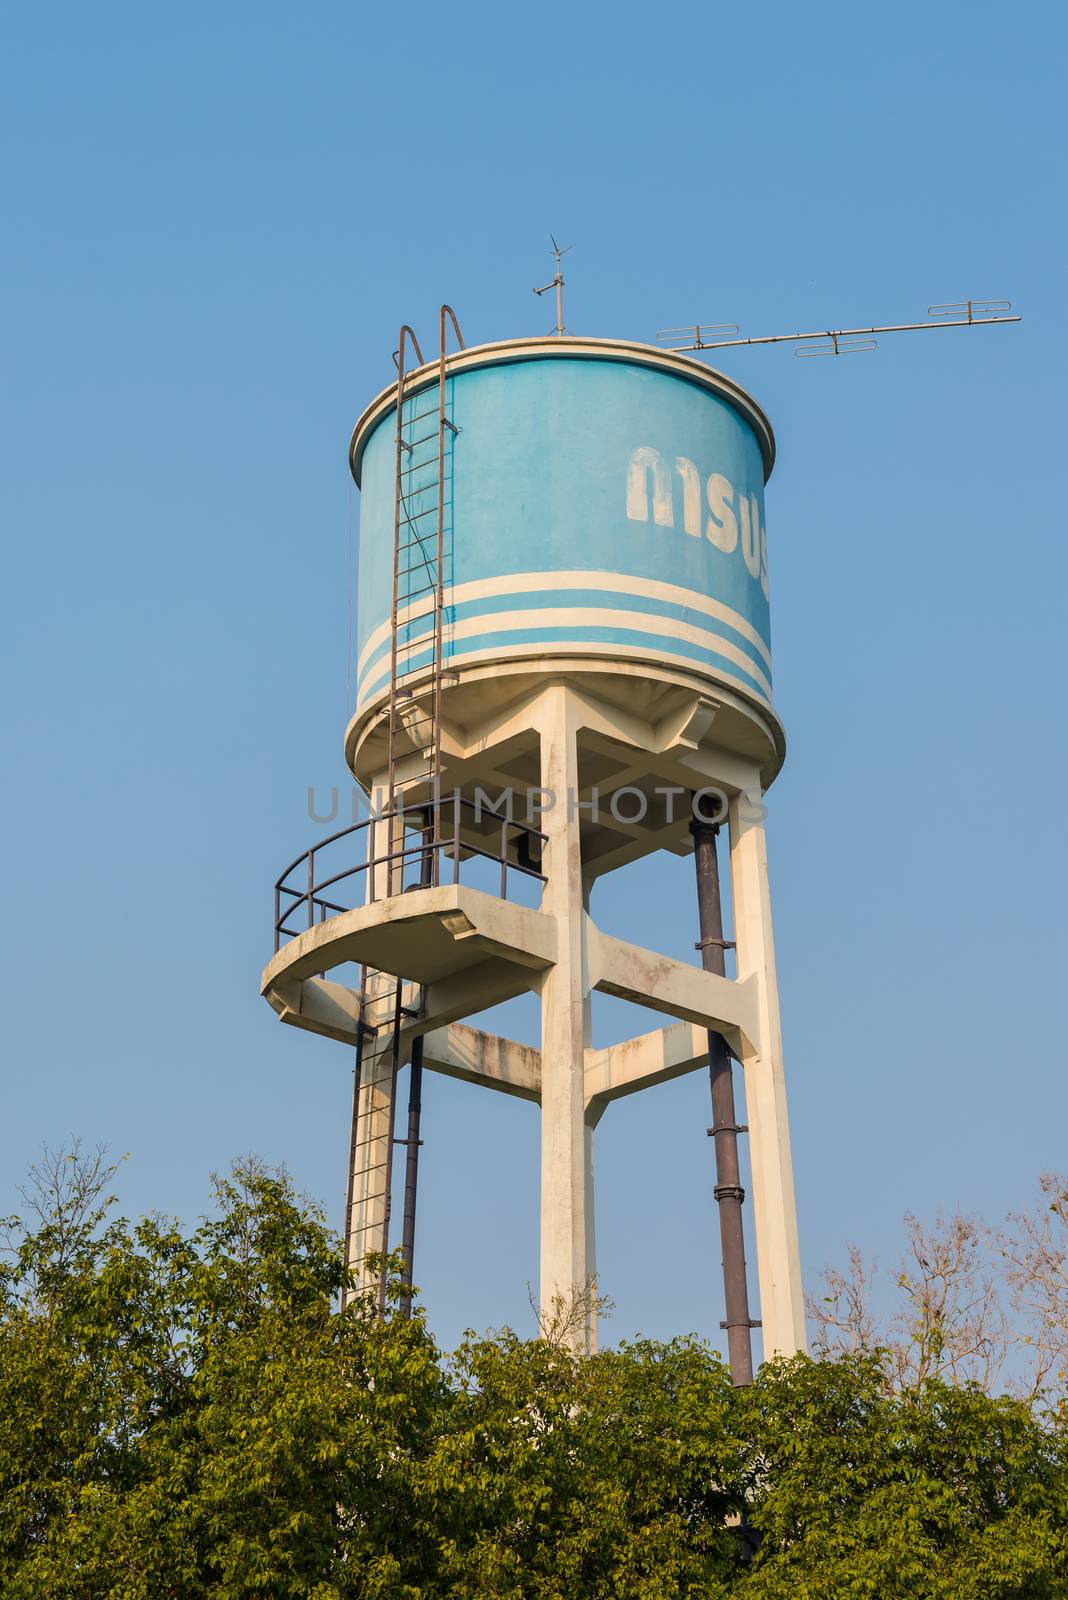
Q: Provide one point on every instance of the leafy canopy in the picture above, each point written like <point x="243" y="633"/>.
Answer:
<point x="189" y="1414"/>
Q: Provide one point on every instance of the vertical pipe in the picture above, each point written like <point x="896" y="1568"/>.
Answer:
<point x="725" y="1129"/>
<point x="415" y="1085"/>
<point x="456" y="836"/>
<point x="504" y="859"/>
<point x="387" y="1205"/>
<point x="411" y="1164"/>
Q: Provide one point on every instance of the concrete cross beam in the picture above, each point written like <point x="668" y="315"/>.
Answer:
<point x="726" y="1005"/>
<point x="640" y="1063"/>
<point x="485" y="1059"/>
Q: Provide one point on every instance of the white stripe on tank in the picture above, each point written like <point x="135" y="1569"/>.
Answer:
<point x="581" y="648"/>
<point x="525" y="582"/>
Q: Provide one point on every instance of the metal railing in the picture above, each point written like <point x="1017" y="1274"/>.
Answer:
<point x="425" y="838"/>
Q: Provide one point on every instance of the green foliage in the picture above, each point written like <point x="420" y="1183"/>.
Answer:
<point x="940" y="1491"/>
<point x="189" y="1415"/>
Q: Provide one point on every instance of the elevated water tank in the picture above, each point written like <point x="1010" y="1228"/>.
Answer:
<point x="605" y="521"/>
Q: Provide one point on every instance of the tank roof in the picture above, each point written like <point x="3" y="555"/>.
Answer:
<point x="505" y="351"/>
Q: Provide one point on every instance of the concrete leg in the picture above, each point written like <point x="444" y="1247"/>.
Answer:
<point x="566" y="1142"/>
<point x="782" y="1307"/>
<point x="370" y="1174"/>
<point x="368" y="1218"/>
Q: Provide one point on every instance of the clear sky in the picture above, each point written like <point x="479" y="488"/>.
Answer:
<point x="215" y="219"/>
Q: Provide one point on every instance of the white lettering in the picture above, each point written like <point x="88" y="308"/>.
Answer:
<point x="645" y="463"/>
<point x="691" y="496"/>
<point x="749" y="513"/>
<point x="722" y="527"/>
<point x="733" y="517"/>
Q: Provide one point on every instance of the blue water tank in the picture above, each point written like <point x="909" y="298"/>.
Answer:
<point x="603" y="516"/>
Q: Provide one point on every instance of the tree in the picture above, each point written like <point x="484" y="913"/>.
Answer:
<point x="1034" y="1247"/>
<point x="975" y="1304"/>
<point x="939" y="1492"/>
<point x="189" y="1414"/>
<point x="563" y="1475"/>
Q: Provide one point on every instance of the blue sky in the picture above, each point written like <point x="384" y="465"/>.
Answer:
<point x="216" y="218"/>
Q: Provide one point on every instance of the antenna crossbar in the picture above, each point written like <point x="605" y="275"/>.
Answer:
<point x="843" y="341"/>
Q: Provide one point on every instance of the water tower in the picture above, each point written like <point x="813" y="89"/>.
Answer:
<point x="563" y="664"/>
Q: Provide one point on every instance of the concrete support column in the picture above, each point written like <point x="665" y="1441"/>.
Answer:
<point x="372" y="1146"/>
<point x="782" y="1307"/>
<point x="567" y="1264"/>
<point x="370" y="1156"/>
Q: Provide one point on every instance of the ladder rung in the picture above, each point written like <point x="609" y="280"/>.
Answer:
<point x="408" y="514"/>
<point x="413" y="490"/>
<point x="416" y="516"/>
<point x="428" y="588"/>
<point x="424" y="541"/>
<point x="417" y="416"/>
<point x="413" y="444"/>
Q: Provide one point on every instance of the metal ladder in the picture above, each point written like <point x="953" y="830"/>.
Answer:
<point x="422" y="549"/>
<point x="371" y="1140"/>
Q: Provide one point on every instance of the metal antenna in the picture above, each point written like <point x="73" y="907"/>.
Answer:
<point x="840" y="341"/>
<point x="557" y="283"/>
